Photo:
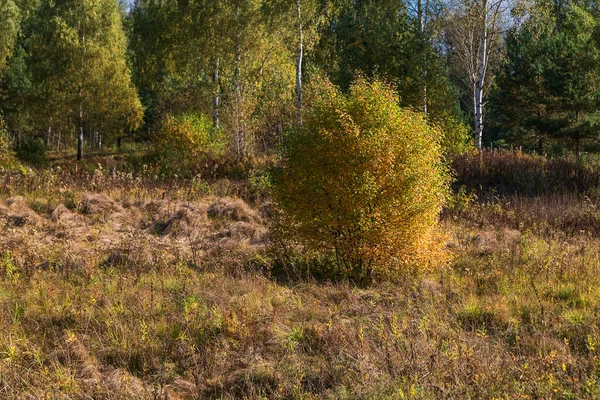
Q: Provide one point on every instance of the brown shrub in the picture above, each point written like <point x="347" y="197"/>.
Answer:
<point x="179" y="220"/>
<point x="510" y="172"/>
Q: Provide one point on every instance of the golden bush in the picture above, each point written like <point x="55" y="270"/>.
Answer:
<point x="364" y="181"/>
<point x="183" y="142"/>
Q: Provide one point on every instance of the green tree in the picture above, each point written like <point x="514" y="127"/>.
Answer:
<point x="78" y="64"/>
<point x="573" y="79"/>
<point x="521" y="103"/>
<point x="386" y="39"/>
<point x="230" y="59"/>
<point x="548" y="91"/>
<point x="10" y="18"/>
<point x="396" y="41"/>
<point x="15" y="79"/>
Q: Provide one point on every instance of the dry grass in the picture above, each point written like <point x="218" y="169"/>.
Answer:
<point x="128" y="290"/>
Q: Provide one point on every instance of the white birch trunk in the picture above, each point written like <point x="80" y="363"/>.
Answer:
<point x="479" y="84"/>
<point x="422" y="15"/>
<point x="299" y="64"/>
<point x="216" y="95"/>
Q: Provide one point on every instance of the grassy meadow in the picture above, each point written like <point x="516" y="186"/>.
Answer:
<point x="116" y="284"/>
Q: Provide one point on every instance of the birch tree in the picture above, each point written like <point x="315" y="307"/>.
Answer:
<point x="230" y="59"/>
<point x="10" y="17"/>
<point x="299" y="62"/>
<point x="78" y="62"/>
<point x="474" y="36"/>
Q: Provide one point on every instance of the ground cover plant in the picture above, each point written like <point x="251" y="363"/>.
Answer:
<point x="123" y="287"/>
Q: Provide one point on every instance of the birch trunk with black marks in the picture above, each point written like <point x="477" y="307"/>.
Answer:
<point x="478" y="101"/>
<point x="80" y="122"/>
<point x="80" y="133"/>
<point x="216" y="95"/>
<point x="299" y="63"/>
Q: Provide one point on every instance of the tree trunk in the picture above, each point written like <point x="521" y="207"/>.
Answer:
<point x="48" y="134"/>
<point x="80" y="119"/>
<point x="577" y="138"/>
<point x="299" y="63"/>
<point x="239" y="129"/>
<point x="240" y="134"/>
<point x="80" y="143"/>
<point x="421" y="16"/>
<point x="216" y="95"/>
<point x="479" y="86"/>
<point x="80" y="134"/>
<point x="478" y="104"/>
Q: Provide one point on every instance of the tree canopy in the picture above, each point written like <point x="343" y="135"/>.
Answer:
<point x="96" y="72"/>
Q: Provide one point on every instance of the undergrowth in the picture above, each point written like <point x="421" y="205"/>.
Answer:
<point x="117" y="286"/>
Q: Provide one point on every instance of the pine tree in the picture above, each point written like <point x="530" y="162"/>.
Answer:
<point x="521" y="102"/>
<point x="548" y="91"/>
<point x="573" y="79"/>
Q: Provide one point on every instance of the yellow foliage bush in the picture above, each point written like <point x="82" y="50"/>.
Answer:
<point x="363" y="180"/>
<point x="184" y="141"/>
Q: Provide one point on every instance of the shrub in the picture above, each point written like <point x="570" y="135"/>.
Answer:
<point x="363" y="180"/>
<point x="456" y="138"/>
<point x="33" y="151"/>
<point x="4" y="140"/>
<point x="185" y="141"/>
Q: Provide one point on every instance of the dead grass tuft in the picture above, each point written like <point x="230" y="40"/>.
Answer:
<point x="179" y="220"/>
<point x="99" y="204"/>
<point x="126" y="386"/>
<point x="63" y="216"/>
<point x="232" y="209"/>
<point x="19" y="214"/>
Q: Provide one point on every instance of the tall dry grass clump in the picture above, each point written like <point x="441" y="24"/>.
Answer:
<point x="513" y="172"/>
<point x="363" y="180"/>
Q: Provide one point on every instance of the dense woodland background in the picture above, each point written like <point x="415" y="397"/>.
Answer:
<point x="502" y="73"/>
